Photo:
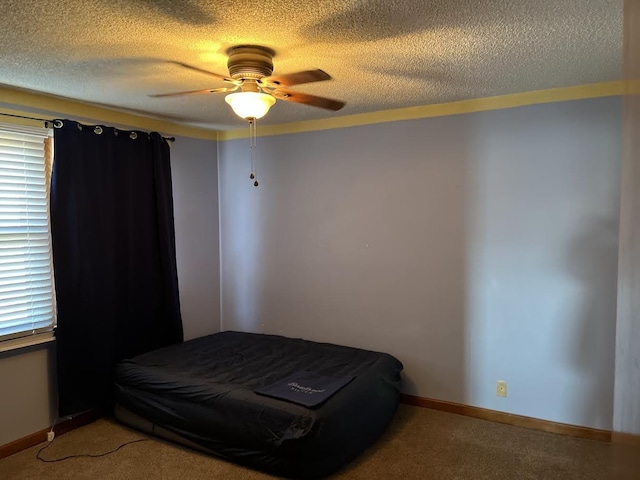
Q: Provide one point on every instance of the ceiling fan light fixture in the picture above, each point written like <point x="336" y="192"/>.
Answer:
<point x="250" y="105"/>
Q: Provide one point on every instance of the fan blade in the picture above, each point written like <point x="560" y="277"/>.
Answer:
<point x="297" y="97"/>
<point x="207" y="90"/>
<point x="207" y="72"/>
<point x="290" y="79"/>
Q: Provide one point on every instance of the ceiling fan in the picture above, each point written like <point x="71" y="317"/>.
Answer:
<point x="251" y="76"/>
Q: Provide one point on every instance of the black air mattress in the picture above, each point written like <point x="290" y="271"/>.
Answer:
<point x="203" y="391"/>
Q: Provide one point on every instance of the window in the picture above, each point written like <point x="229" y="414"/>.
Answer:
<point x="27" y="302"/>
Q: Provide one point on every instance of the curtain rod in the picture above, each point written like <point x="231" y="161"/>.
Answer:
<point x="57" y="123"/>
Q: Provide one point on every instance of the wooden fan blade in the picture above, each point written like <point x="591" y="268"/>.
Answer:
<point x="207" y="90"/>
<point x="207" y="72"/>
<point x="297" y="97"/>
<point x="296" y="78"/>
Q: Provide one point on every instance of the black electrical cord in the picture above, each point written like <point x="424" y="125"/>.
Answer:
<point x="84" y="455"/>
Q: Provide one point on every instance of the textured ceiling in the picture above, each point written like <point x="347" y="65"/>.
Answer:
<point x="382" y="54"/>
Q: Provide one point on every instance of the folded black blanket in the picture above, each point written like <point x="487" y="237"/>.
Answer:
<point x="305" y="388"/>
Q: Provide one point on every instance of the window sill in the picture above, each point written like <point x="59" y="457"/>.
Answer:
<point x="23" y="342"/>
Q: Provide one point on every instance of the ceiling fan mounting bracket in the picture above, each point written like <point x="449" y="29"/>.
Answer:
<point x="250" y="61"/>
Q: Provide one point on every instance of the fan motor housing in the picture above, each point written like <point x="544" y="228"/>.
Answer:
<point x="250" y="61"/>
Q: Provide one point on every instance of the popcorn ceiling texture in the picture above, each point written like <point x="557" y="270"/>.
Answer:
<point x="382" y="54"/>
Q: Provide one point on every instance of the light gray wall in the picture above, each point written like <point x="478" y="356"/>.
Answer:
<point x="195" y="202"/>
<point x="27" y="379"/>
<point x="27" y="391"/>
<point x="475" y="248"/>
<point x="627" y="396"/>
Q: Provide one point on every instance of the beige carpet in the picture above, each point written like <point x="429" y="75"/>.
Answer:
<point x="420" y="444"/>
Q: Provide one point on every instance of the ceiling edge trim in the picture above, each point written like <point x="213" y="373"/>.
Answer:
<point x="56" y="106"/>
<point x="563" y="94"/>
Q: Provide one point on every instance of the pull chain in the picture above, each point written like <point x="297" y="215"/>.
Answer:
<point x="253" y="141"/>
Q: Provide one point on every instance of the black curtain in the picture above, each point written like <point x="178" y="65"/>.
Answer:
<point x="113" y="254"/>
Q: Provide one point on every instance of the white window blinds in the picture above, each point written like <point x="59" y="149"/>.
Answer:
<point x="26" y="279"/>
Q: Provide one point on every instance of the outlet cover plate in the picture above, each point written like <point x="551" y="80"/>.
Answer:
<point x="501" y="388"/>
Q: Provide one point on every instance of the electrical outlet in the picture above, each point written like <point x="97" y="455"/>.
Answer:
<point x="51" y="436"/>
<point x="501" y="388"/>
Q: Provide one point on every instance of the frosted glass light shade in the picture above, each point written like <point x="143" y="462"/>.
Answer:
<point x="250" y="104"/>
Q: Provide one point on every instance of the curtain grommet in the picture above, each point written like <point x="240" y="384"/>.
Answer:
<point x="97" y="130"/>
<point x="57" y="124"/>
<point x="133" y="135"/>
